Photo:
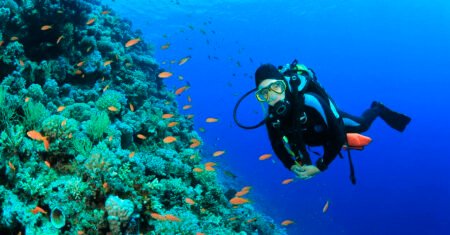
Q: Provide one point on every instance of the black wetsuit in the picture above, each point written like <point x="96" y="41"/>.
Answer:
<point x="325" y="126"/>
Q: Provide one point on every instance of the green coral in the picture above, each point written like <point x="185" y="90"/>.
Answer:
<point x="11" y="139"/>
<point x="110" y="98"/>
<point x="97" y="125"/>
<point x="34" y="115"/>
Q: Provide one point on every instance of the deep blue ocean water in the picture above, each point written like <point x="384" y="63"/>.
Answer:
<point x="397" y="52"/>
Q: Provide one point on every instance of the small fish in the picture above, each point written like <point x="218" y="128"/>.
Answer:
<point x="232" y="218"/>
<point x="210" y="164"/>
<point x="180" y="77"/>
<point x="201" y="129"/>
<point x="186" y="107"/>
<point x="164" y="74"/>
<point x="241" y="193"/>
<point x="113" y="109"/>
<point x="11" y="166"/>
<point x="184" y="60"/>
<point x="195" y="143"/>
<point x="47" y="163"/>
<point x="189" y="99"/>
<point x="251" y="220"/>
<point x="189" y="201"/>
<point x="105" y="185"/>
<point x="110" y="138"/>
<point x="196" y="169"/>
<point x="141" y="136"/>
<point x="46" y="143"/>
<point x="172" y="218"/>
<point x="238" y="201"/>
<point x="157" y="216"/>
<point x="287" y="181"/>
<point x="88" y="49"/>
<point x="27" y="99"/>
<point x="173" y="61"/>
<point x="287" y="222"/>
<point x="246" y="188"/>
<point x="218" y="153"/>
<point x="60" y="108"/>
<point x="64" y="122"/>
<point x="172" y="124"/>
<point x="167" y="115"/>
<point x="108" y="62"/>
<point x="209" y="168"/>
<point x="46" y="27"/>
<point x="105" y="88"/>
<point x="14" y="38"/>
<point x="131" y="107"/>
<point x="131" y="155"/>
<point x="265" y="156"/>
<point x="35" y="135"/>
<point x="105" y="12"/>
<point x="1" y="43"/>
<point x="80" y="63"/>
<point x="325" y="207"/>
<point x="59" y="39"/>
<point x="90" y="21"/>
<point x="21" y="63"/>
<point x="190" y="116"/>
<point x="181" y="90"/>
<point x="78" y="72"/>
<point x="169" y="139"/>
<point x="211" y="120"/>
<point x="132" y="42"/>
<point x="38" y="210"/>
<point x="165" y="46"/>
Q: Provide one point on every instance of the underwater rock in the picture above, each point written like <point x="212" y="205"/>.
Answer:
<point x="58" y="218"/>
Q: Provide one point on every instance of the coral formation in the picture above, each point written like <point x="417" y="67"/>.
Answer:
<point x="81" y="142"/>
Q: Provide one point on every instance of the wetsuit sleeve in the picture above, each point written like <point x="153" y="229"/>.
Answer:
<point x="336" y="138"/>
<point x="276" y="140"/>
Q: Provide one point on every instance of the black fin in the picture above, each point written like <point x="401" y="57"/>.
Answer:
<point x="395" y="120"/>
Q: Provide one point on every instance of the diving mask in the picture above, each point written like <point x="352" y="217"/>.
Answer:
<point x="278" y="87"/>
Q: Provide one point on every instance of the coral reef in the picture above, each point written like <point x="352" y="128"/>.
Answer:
<point x="82" y="129"/>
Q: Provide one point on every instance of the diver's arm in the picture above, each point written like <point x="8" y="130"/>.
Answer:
<point x="278" y="147"/>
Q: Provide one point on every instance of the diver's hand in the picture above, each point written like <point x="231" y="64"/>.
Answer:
<point x="305" y="172"/>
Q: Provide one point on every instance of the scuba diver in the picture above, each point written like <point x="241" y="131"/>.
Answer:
<point x="302" y="114"/>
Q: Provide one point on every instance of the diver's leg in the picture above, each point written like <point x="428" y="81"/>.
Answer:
<point x="354" y="124"/>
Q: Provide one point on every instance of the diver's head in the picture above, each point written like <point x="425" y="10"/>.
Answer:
<point x="271" y="85"/>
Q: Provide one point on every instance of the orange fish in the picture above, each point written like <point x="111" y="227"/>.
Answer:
<point x="172" y="218"/>
<point x="132" y="42"/>
<point x="90" y="21"/>
<point x="287" y="222"/>
<point x="27" y="99"/>
<point x="169" y="139"/>
<point x="105" y="88"/>
<point x="325" y="207"/>
<point x="181" y="90"/>
<point x="11" y="166"/>
<point x="287" y="181"/>
<point x="1" y="43"/>
<point x="209" y="168"/>
<point x="141" y="136"/>
<point x="131" y="107"/>
<point x="78" y="72"/>
<point x="241" y="193"/>
<point x="63" y="123"/>
<point x="35" y="135"/>
<point x="38" y="210"/>
<point x="80" y="63"/>
<point x="47" y="163"/>
<point x="105" y="185"/>
<point x="60" y="108"/>
<point x="113" y="109"/>
<point x="46" y="144"/>
<point x="189" y="201"/>
<point x="165" y="46"/>
<point x="189" y="99"/>
<point x="46" y="27"/>
<point x="59" y="39"/>
<point x="105" y="12"/>
<point x="131" y="155"/>
<point x="110" y="138"/>
<point x="186" y="107"/>
<point x="14" y="38"/>
<point x="195" y="143"/>
<point x="251" y="220"/>
<point x="184" y="60"/>
<point x="265" y="156"/>
<point x="165" y="74"/>
<point x="190" y="116"/>
<point x="108" y="62"/>
<point x="196" y="169"/>
<point x="21" y="63"/>
<point x="167" y="115"/>
<point x="211" y="120"/>
<point x="210" y="164"/>
<point x="218" y="153"/>
<point x="246" y="188"/>
<point x="238" y="201"/>
<point x="199" y="233"/>
<point x="157" y="216"/>
<point x="172" y="124"/>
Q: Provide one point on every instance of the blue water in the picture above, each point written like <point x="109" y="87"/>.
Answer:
<point x="397" y="52"/>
